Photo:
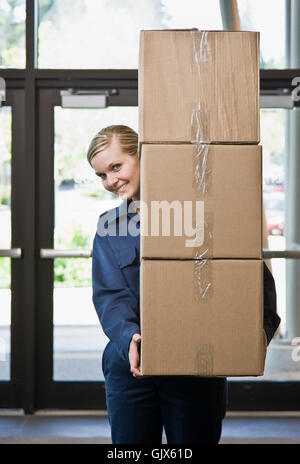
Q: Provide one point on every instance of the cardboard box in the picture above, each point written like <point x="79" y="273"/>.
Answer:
<point x="199" y="85"/>
<point x="186" y="331"/>
<point x="210" y="195"/>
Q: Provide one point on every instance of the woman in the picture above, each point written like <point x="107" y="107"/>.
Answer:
<point x="190" y="409"/>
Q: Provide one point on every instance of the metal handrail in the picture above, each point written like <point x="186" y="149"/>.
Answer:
<point x="287" y="254"/>
<point x="49" y="253"/>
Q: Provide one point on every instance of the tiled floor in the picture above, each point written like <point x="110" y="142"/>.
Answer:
<point x="64" y="427"/>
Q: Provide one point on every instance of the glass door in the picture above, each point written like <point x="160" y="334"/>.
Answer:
<point x="5" y="242"/>
<point x="71" y="198"/>
<point x="12" y="186"/>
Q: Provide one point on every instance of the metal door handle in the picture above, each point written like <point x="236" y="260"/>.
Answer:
<point x="11" y="253"/>
<point x="50" y="253"/>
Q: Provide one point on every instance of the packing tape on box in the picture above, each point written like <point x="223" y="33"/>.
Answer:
<point x="203" y="288"/>
<point x="204" y="359"/>
<point x="199" y="125"/>
<point x="202" y="185"/>
<point x="201" y="44"/>
<point x="201" y="59"/>
<point x="203" y="249"/>
<point x="202" y="170"/>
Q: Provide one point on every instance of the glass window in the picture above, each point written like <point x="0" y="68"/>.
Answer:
<point x="12" y="37"/>
<point x="280" y="365"/>
<point x="100" y="34"/>
<point x="78" y="337"/>
<point x="255" y="16"/>
<point x="273" y="145"/>
<point x="5" y="177"/>
<point x="274" y="160"/>
<point x="5" y="241"/>
<point x="79" y="199"/>
<point x="5" y="316"/>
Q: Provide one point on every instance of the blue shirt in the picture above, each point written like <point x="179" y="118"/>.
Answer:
<point x="115" y="276"/>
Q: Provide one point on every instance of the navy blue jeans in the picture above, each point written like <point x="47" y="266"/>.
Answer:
<point x="189" y="408"/>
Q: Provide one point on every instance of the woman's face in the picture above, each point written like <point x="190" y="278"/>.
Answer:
<point x="120" y="172"/>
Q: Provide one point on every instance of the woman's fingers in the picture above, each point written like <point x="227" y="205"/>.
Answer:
<point x="134" y="357"/>
<point x="134" y="366"/>
<point x="137" y="338"/>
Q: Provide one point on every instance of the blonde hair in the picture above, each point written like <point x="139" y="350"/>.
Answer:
<point x="127" y="137"/>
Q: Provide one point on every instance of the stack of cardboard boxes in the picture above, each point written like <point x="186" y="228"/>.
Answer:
<point x="201" y="203"/>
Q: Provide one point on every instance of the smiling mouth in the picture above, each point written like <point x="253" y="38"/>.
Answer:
<point x="122" y="189"/>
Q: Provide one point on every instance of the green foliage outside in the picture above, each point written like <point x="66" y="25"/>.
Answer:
<point x="5" y="194"/>
<point x="12" y="37"/>
<point x="73" y="272"/>
<point x="4" y="273"/>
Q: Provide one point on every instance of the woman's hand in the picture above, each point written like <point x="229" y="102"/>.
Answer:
<point x="134" y="356"/>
